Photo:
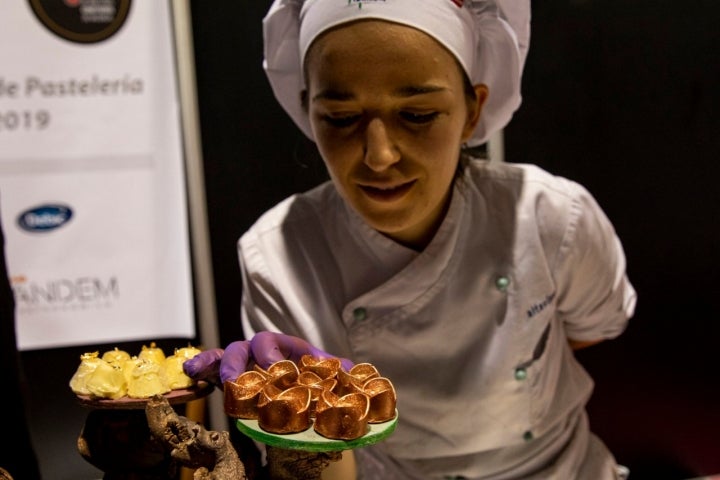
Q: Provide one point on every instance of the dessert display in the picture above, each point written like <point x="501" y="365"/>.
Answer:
<point x="116" y="374"/>
<point x="314" y="393"/>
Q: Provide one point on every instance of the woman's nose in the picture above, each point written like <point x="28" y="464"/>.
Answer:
<point x="380" y="150"/>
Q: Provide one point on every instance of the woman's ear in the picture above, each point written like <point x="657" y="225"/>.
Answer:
<point x="475" y="107"/>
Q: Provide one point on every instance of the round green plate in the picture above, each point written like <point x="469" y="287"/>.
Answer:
<point x="310" y="441"/>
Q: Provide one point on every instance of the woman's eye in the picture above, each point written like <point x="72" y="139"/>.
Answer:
<point x="341" y="122"/>
<point x="419" y="118"/>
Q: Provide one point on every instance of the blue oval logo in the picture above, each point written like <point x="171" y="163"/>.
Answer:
<point x="44" y="218"/>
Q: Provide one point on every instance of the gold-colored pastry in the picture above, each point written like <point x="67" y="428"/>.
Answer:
<point x="324" y="368"/>
<point x="383" y="399"/>
<point x="284" y="411"/>
<point x="342" y="418"/>
<point x="363" y="372"/>
<point x="317" y="385"/>
<point x="353" y="380"/>
<point x="241" y="396"/>
<point x="283" y="374"/>
<point x="286" y="397"/>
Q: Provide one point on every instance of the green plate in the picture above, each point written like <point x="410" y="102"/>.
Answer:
<point x="310" y="441"/>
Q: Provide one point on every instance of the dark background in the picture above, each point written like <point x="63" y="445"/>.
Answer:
<point x="621" y="96"/>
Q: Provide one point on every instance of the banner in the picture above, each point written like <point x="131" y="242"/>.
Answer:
<point x="92" y="183"/>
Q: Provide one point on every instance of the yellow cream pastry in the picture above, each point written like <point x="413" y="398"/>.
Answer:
<point x="116" y="356"/>
<point x="116" y="373"/>
<point x="187" y="352"/>
<point x="146" y="379"/>
<point x="128" y="366"/>
<point x="88" y="363"/>
<point x="152" y="353"/>
<point x="175" y="377"/>
<point x="106" y="381"/>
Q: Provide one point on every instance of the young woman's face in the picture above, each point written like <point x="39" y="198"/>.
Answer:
<point x="389" y="113"/>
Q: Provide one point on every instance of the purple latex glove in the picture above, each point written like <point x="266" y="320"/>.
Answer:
<point x="265" y="348"/>
<point x="270" y="347"/>
<point x="206" y="365"/>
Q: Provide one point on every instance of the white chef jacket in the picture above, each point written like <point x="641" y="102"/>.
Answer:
<point x="472" y="331"/>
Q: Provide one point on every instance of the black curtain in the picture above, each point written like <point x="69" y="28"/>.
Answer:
<point x="19" y="460"/>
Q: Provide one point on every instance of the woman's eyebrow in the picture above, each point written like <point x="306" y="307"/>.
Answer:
<point x="332" y="94"/>
<point x="405" y="91"/>
<point x="412" y="90"/>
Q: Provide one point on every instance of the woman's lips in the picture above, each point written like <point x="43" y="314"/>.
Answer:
<point x="387" y="194"/>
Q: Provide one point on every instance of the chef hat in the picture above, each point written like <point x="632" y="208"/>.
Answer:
<point x="489" y="38"/>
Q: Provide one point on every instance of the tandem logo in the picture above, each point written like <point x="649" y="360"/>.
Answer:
<point x="44" y="218"/>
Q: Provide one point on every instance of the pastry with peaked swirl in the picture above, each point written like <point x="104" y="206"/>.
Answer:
<point x="383" y="399"/>
<point x="241" y="396"/>
<point x="323" y="368"/>
<point x="283" y="374"/>
<point x="284" y="411"/>
<point x="342" y="418"/>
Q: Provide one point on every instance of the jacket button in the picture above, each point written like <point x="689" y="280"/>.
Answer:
<point x="359" y="314"/>
<point x="502" y="283"/>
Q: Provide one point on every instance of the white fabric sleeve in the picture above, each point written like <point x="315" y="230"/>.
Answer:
<point x="595" y="297"/>
<point x="262" y="307"/>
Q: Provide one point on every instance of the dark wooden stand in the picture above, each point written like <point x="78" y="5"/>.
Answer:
<point x="116" y="437"/>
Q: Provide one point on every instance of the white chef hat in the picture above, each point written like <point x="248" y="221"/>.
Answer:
<point x="489" y="38"/>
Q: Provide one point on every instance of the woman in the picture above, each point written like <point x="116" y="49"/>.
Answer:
<point x="465" y="282"/>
